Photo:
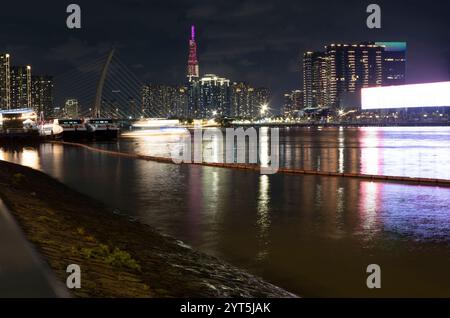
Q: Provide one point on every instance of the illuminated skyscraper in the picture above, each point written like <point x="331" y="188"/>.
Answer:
<point x="42" y="94"/>
<point x="21" y="87"/>
<point x="5" y="85"/>
<point x="394" y="63"/>
<point x="261" y="100"/>
<point x="193" y="86"/>
<point x="193" y="96"/>
<point x="193" y="67"/>
<point x="242" y="96"/>
<point x="214" y="96"/>
<point x="158" y="100"/>
<point x="334" y="78"/>
<point x="315" y="79"/>
<point x="181" y="102"/>
<point x="246" y="102"/>
<point x="351" y="68"/>
<point x="293" y="103"/>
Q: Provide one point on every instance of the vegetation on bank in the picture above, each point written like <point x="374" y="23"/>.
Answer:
<point x="118" y="257"/>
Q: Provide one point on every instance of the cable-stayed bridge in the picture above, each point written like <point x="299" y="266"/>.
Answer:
<point x="104" y="87"/>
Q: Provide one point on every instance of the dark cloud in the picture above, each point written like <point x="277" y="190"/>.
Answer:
<point x="259" y="41"/>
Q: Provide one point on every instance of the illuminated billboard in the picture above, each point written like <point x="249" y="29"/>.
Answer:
<point x="406" y="96"/>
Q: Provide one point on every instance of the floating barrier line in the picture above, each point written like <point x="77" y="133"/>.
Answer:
<point x="256" y="168"/>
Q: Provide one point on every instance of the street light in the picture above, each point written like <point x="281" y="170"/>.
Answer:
<point x="264" y="108"/>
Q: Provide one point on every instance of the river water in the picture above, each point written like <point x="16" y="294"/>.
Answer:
<point x="312" y="235"/>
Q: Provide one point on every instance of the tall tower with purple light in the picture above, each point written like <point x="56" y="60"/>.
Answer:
<point x="193" y="68"/>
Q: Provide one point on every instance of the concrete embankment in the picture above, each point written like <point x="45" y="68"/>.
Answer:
<point x="118" y="257"/>
<point x="256" y="168"/>
<point x="23" y="273"/>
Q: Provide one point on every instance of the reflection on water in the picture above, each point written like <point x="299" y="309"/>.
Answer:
<point x="312" y="235"/>
<point x="26" y="156"/>
<point x="399" y="151"/>
<point x="263" y="218"/>
<point x="369" y="206"/>
<point x="371" y="161"/>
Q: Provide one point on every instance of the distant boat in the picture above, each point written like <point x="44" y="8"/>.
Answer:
<point x="103" y="128"/>
<point x="51" y="130"/>
<point x="72" y="129"/>
<point x="18" y="124"/>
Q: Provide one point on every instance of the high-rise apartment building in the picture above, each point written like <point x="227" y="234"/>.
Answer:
<point x="5" y="81"/>
<point x="181" y="102"/>
<point x="293" y="103"/>
<point x="247" y="102"/>
<point x="351" y="68"/>
<point x="242" y="100"/>
<point x="164" y="101"/>
<point x="261" y="101"/>
<point x="193" y="96"/>
<point x="334" y="78"/>
<point x="42" y="94"/>
<point x="394" y="63"/>
<point x="315" y="79"/>
<point x="214" y="97"/>
<point x="158" y="100"/>
<point x="21" y="87"/>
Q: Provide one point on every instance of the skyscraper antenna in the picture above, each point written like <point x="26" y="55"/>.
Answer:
<point x="193" y="32"/>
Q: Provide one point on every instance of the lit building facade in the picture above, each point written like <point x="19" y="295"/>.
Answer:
<point x="71" y="108"/>
<point x="315" y="79"/>
<point x="181" y="102"/>
<point x="242" y="97"/>
<point x="133" y="109"/>
<point x="394" y="63"/>
<point x="21" y="87"/>
<point x="351" y="68"/>
<point x="247" y="102"/>
<point x="193" y="71"/>
<point x="158" y="100"/>
<point x="5" y="81"/>
<point x="42" y="95"/>
<point x="261" y="100"/>
<point x="193" y="93"/>
<point x="334" y="78"/>
<point x="193" y="84"/>
<point x="293" y="103"/>
<point x="214" y="98"/>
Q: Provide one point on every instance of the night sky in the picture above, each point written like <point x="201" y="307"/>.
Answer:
<point x="245" y="40"/>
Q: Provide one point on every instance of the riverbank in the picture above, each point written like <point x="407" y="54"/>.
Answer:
<point x="118" y="257"/>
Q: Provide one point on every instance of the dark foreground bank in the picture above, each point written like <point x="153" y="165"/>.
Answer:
<point x="118" y="257"/>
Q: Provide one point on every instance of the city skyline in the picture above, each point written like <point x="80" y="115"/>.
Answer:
<point x="261" y="43"/>
<point x="227" y="156"/>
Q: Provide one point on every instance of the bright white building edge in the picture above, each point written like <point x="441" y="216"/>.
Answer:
<point x="406" y="96"/>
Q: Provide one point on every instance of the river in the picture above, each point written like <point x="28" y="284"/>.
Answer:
<point x="312" y="235"/>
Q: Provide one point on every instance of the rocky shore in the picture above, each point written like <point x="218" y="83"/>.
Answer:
<point x="118" y="257"/>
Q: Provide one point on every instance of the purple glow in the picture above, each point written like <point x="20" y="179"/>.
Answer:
<point x="406" y="96"/>
<point x="193" y="32"/>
